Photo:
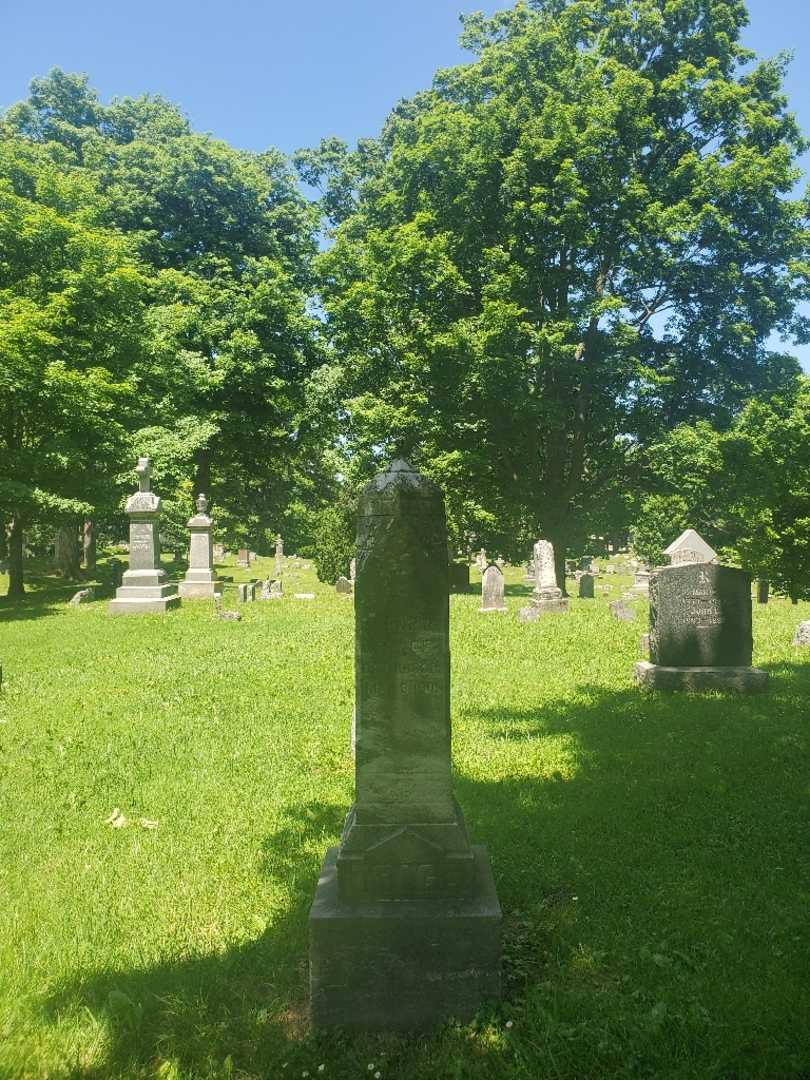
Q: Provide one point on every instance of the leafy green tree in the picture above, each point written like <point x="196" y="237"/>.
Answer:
<point x="662" y="518"/>
<point x="746" y="489"/>
<point x="579" y="240"/>
<point x="72" y="298"/>
<point x="229" y="240"/>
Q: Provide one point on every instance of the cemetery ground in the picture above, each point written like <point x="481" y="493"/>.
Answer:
<point x="651" y="852"/>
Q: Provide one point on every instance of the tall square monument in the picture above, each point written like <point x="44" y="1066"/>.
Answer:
<point x="145" y="588"/>
<point x="200" y="582"/>
<point x="405" y="924"/>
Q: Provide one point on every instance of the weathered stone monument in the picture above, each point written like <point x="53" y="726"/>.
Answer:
<point x="353" y="571"/>
<point x="144" y="587"/>
<point x="763" y="590"/>
<point x="802" y="635"/>
<point x="492" y="589"/>
<point x="621" y="612"/>
<point x="200" y="582"/>
<point x="405" y="924"/>
<point x="690" y="547"/>
<point x="343" y="587"/>
<point x="481" y="561"/>
<point x="586" y="583"/>
<point x="219" y="552"/>
<point x="700" y="630"/>
<point x="243" y="558"/>
<point x="279" y="555"/>
<point x="530" y="574"/>
<point x="547" y="598"/>
<point x="640" y="589"/>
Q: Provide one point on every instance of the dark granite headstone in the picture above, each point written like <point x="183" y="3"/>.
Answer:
<point x="586" y="587"/>
<point x="405" y="925"/>
<point x="763" y="590"/>
<point x="459" y="576"/>
<point x="700" y="630"/>
<point x="700" y="616"/>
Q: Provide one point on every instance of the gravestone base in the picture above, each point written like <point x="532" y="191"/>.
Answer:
<point x="740" y="680"/>
<point x="198" y="585"/>
<point x="403" y="965"/>
<point x="489" y="610"/>
<point x="558" y="606"/>
<point x="144" y="600"/>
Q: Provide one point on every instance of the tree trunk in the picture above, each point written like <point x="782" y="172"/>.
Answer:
<point x="3" y="541"/>
<point x="66" y="552"/>
<point x="16" y="572"/>
<point x="202" y="474"/>
<point x="89" y="546"/>
<point x="557" y="534"/>
<point x="763" y="589"/>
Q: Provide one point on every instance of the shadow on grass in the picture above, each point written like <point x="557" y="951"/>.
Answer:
<point x="611" y="873"/>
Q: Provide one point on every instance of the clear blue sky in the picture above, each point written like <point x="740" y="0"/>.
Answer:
<point x="261" y="73"/>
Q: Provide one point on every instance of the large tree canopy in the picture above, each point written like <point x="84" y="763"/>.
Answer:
<point x="72" y="331"/>
<point x="580" y="238"/>
<point x="223" y="239"/>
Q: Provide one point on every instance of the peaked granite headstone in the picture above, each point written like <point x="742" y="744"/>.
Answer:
<point x="343" y="587"/>
<point x="690" y="547"/>
<point x="492" y="589"/>
<point x="405" y="925"/>
<point x="144" y="587"/>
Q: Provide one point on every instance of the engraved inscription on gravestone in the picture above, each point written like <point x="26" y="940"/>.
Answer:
<point x="701" y="630"/>
<point x="700" y="615"/>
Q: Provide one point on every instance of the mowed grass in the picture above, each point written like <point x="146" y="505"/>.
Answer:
<point x="652" y="853"/>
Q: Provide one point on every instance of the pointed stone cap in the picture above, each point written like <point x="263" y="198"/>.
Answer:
<point x="400" y="474"/>
<point x="693" y="542"/>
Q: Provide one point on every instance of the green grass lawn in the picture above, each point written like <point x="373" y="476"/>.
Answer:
<point x="652" y="853"/>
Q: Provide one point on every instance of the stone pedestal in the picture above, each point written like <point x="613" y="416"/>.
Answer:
<point x="740" y="680"/>
<point x="406" y="965"/>
<point x="144" y="588"/>
<point x="200" y="582"/>
<point x="405" y="925"/>
<point x="547" y="598"/>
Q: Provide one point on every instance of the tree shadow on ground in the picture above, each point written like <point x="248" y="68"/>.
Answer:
<point x="631" y="876"/>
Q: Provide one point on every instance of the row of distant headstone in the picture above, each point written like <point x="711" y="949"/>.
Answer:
<point x="700" y="635"/>
<point x="145" y="587"/>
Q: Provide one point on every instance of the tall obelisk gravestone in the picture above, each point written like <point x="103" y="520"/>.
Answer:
<point x="405" y="925"/>
<point x="144" y="588"/>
